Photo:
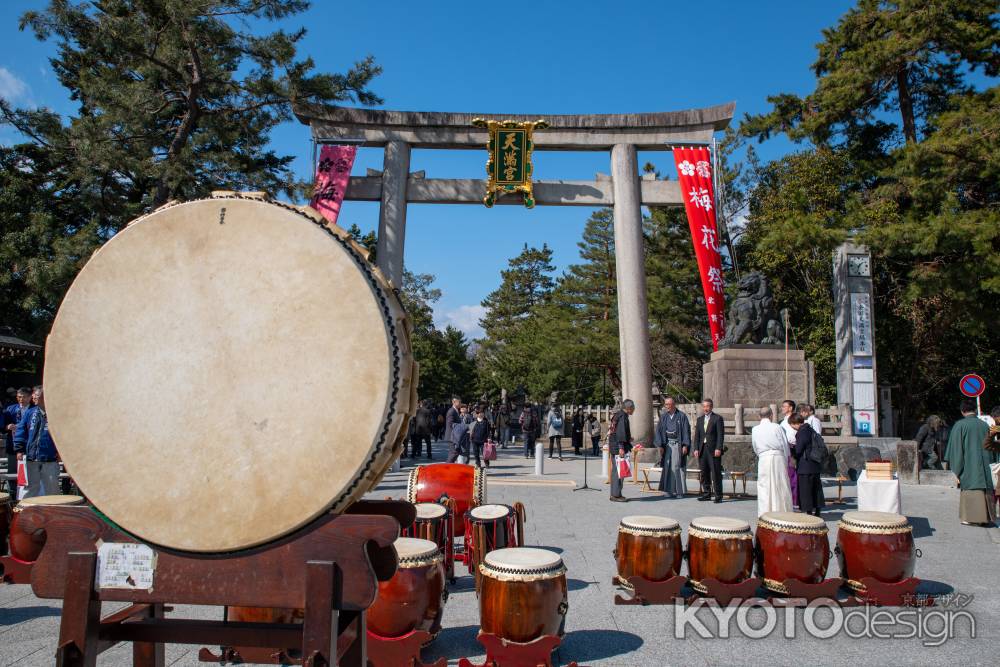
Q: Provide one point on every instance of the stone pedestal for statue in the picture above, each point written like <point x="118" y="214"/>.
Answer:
<point x="754" y="375"/>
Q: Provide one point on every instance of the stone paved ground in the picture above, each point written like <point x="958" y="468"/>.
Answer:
<point x="582" y="526"/>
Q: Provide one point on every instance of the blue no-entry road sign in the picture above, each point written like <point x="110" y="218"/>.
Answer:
<point x="972" y="385"/>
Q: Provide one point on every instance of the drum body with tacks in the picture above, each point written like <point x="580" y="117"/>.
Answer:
<point x="464" y="484"/>
<point x="27" y="545"/>
<point x="524" y="594"/>
<point x="433" y="522"/>
<point x="875" y="544"/>
<point x="488" y="528"/>
<point x="255" y="334"/>
<point x="414" y="598"/>
<point x="648" y="547"/>
<point x="719" y="548"/>
<point x="791" y="545"/>
<point x="5" y="506"/>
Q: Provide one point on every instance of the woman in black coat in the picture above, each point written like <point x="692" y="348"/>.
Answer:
<point x="810" y="484"/>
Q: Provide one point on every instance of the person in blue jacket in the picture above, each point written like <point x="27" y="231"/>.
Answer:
<point x="33" y="442"/>
<point x="11" y="418"/>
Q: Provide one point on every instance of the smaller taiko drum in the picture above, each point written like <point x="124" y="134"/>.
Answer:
<point x="5" y="505"/>
<point x="414" y="598"/>
<point x="648" y="547"/>
<point x="719" y="548"/>
<point x="524" y="594"/>
<point x="431" y="523"/>
<point x="791" y="545"/>
<point x="27" y="546"/>
<point x="464" y="484"/>
<point x="875" y="544"/>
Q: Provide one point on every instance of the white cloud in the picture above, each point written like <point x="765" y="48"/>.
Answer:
<point x="465" y="319"/>
<point x="14" y="89"/>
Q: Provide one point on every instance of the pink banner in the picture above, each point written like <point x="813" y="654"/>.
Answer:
<point x="694" y="171"/>
<point x="332" y="174"/>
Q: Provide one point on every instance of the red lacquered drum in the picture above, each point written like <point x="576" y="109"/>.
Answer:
<point x="27" y="546"/>
<point x="875" y="544"/>
<point x="4" y="521"/>
<point x="524" y="594"/>
<point x="719" y="548"/>
<point x="648" y="547"/>
<point x="791" y="545"/>
<point x="414" y="598"/>
<point x="464" y="484"/>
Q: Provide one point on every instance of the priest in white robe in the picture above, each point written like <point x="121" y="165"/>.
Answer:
<point x="770" y="444"/>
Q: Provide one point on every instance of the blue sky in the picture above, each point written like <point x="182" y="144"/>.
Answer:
<point x="558" y="57"/>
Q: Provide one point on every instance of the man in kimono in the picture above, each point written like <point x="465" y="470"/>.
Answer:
<point x="970" y="461"/>
<point x="673" y="434"/>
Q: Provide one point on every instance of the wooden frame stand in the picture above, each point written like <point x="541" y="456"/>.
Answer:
<point x="400" y="651"/>
<point x="643" y="591"/>
<point x="14" y="571"/>
<point x="502" y="653"/>
<point x="331" y="569"/>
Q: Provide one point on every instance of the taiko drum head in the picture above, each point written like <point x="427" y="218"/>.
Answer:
<point x="48" y="501"/>
<point x="224" y="371"/>
<point x="428" y="511"/>
<point x="873" y="522"/>
<point x="413" y="551"/>
<point x="522" y="564"/>
<point x="793" y="521"/>
<point x="720" y="526"/>
<point x="650" y="523"/>
<point x="489" y="512"/>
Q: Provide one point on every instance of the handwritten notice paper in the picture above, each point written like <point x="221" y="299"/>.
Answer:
<point x="125" y="565"/>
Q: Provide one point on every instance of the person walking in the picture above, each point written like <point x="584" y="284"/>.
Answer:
<point x="969" y="458"/>
<point x="932" y="438"/>
<point x="594" y="429"/>
<point x="709" y="438"/>
<point x="620" y="443"/>
<point x="554" y="421"/>
<point x="479" y="433"/>
<point x="12" y="415"/>
<point x="530" y="428"/>
<point x="34" y="444"/>
<point x="503" y="425"/>
<point x="423" y="423"/>
<point x="576" y="431"/>
<point x="787" y="409"/>
<point x="774" y="491"/>
<point x="459" y="436"/>
<point x="673" y="434"/>
<point x="810" y="484"/>
<point x="451" y="416"/>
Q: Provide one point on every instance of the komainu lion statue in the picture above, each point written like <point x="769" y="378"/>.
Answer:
<point x="752" y="318"/>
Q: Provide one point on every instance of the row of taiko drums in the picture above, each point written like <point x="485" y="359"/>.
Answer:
<point x="787" y="546"/>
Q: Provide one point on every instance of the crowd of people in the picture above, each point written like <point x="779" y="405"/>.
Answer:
<point x="27" y="439"/>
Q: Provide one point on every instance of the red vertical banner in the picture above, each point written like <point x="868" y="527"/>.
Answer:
<point x="332" y="174"/>
<point x="694" y="171"/>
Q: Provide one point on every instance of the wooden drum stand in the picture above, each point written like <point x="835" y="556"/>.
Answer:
<point x="331" y="569"/>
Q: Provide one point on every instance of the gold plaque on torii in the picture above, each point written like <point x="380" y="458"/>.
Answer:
<point x="509" y="166"/>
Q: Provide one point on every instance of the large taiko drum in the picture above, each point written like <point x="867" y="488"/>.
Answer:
<point x="27" y="546"/>
<point x="791" y="545"/>
<point x="648" y="547"/>
<point x="463" y="484"/>
<point x="5" y="505"/>
<point x="414" y="598"/>
<point x="875" y="544"/>
<point x="217" y="329"/>
<point x="719" y="548"/>
<point x="524" y="594"/>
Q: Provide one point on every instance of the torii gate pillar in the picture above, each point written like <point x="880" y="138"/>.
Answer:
<point x="630" y="268"/>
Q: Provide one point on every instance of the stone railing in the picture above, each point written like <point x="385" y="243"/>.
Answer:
<point x="835" y="420"/>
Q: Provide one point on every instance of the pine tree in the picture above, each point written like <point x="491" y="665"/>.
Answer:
<point x="902" y="57"/>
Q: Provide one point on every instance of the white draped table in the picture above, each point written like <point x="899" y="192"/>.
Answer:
<point x="879" y="495"/>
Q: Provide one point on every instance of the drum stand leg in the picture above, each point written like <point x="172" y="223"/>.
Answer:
<point x="724" y="594"/>
<point x="800" y="594"/>
<point x="646" y="592"/>
<point x="900" y="594"/>
<point x="14" y="571"/>
<point x="400" y="651"/>
<point x="502" y="653"/>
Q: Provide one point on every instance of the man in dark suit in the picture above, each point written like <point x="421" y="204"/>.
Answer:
<point x="709" y="433"/>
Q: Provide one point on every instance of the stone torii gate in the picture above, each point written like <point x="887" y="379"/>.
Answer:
<point x="622" y="134"/>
